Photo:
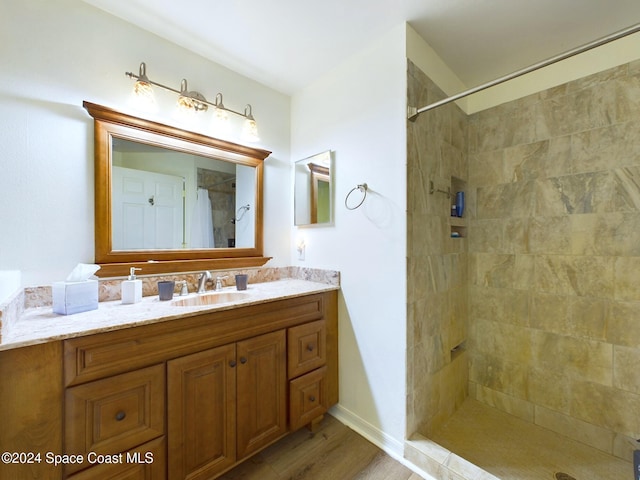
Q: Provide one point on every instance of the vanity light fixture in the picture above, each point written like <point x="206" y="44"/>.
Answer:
<point x="142" y="90"/>
<point x="192" y="102"/>
<point x="250" y="128"/>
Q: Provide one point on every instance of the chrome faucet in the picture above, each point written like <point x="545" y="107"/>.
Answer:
<point x="202" y="281"/>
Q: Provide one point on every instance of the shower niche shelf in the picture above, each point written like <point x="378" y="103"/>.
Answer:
<point x="457" y="225"/>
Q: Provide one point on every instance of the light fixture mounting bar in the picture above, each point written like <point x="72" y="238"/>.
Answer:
<point x="143" y="78"/>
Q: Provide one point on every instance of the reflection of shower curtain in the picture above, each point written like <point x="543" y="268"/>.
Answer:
<point x="202" y="224"/>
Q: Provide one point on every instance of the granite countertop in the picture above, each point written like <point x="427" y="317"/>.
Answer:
<point x="41" y="325"/>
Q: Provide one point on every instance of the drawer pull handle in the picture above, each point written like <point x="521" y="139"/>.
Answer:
<point x="232" y="363"/>
<point x="243" y="360"/>
<point x="312" y="398"/>
<point x="310" y="348"/>
<point x="120" y="415"/>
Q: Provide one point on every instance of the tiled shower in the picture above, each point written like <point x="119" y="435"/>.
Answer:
<point x="535" y="308"/>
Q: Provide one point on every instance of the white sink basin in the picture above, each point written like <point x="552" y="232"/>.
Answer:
<point x="212" y="298"/>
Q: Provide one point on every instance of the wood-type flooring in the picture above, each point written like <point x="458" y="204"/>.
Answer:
<point x="332" y="452"/>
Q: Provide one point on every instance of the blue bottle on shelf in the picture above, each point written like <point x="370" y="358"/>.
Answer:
<point x="459" y="204"/>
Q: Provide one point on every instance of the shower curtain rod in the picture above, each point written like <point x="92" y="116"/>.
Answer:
<point x="413" y="112"/>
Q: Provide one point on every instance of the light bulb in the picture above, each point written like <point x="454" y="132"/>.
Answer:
<point x="143" y="98"/>
<point x="221" y="126"/>
<point x="250" y="130"/>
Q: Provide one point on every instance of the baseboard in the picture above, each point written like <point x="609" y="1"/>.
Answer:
<point x="384" y="442"/>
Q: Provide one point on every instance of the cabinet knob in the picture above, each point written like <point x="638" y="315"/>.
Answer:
<point x="310" y="348"/>
<point x="243" y="360"/>
<point x="312" y="398"/>
<point x="232" y="363"/>
<point x="120" y="415"/>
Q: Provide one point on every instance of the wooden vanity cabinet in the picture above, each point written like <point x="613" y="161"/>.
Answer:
<point x="261" y="392"/>
<point x="201" y="393"/>
<point x="224" y="404"/>
<point x="202" y="413"/>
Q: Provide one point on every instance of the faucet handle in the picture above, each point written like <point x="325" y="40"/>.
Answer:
<point x="219" y="282"/>
<point x="184" y="290"/>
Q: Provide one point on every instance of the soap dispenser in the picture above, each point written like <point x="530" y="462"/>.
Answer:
<point x="131" y="289"/>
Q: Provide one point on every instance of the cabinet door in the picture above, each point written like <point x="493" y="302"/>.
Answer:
<point x="201" y="413"/>
<point x="261" y="391"/>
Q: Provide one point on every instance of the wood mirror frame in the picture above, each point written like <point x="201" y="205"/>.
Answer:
<point x="110" y="123"/>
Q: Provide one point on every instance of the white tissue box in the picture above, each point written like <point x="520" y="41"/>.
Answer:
<point x="75" y="297"/>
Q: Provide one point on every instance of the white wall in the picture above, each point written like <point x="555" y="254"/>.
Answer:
<point x="56" y="54"/>
<point x="358" y="111"/>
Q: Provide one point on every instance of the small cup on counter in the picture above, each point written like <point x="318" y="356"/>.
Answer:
<point x="165" y="289"/>
<point x="241" y="281"/>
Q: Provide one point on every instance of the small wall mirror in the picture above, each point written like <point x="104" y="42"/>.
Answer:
<point x="170" y="200"/>
<point x="313" y="190"/>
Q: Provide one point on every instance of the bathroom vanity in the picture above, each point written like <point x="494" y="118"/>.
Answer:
<point x="176" y="392"/>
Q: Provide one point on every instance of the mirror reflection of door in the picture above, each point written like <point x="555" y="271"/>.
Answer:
<point x="147" y="210"/>
<point x="313" y="190"/>
<point x="215" y="190"/>
<point x="320" y="194"/>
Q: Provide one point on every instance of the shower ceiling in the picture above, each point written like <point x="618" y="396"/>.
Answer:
<point x="286" y="44"/>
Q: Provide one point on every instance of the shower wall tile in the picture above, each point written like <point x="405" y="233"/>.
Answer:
<point x="554" y="257"/>
<point x="512" y="405"/>
<point x="437" y="265"/>
<point x="576" y="357"/>
<point x="515" y="235"/>
<point x="581" y="110"/>
<point x="510" y="378"/>
<point x="607" y="407"/>
<point x="488" y="303"/>
<point x="627" y="189"/>
<point x="623" y="323"/>
<point x="604" y="148"/>
<point x="623" y="445"/>
<point x="524" y="271"/>
<point x="582" y="317"/>
<point x="575" y="275"/>
<point x="549" y="312"/>
<point x="628" y="96"/>
<point x="588" y="318"/>
<point x="487" y="168"/>
<point x="626" y="278"/>
<point x="503" y="340"/>
<point x="584" y="432"/>
<point x="626" y="374"/>
<point x="492" y="270"/>
<point x="548" y="388"/>
<point x="506" y="200"/>
<point x="486" y="236"/>
<point x="529" y="161"/>
<point x="574" y="194"/>
<point x="549" y="235"/>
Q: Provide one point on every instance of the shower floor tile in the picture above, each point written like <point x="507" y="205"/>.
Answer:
<point x="513" y="449"/>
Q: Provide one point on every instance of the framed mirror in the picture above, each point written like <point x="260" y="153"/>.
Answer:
<point x="313" y="190"/>
<point x="170" y="200"/>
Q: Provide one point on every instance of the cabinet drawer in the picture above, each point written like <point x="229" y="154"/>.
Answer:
<point x="105" y="354"/>
<point x="306" y="348"/>
<point x="307" y="398"/>
<point x="114" y="414"/>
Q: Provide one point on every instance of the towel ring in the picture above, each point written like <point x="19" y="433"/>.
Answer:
<point x="362" y="188"/>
